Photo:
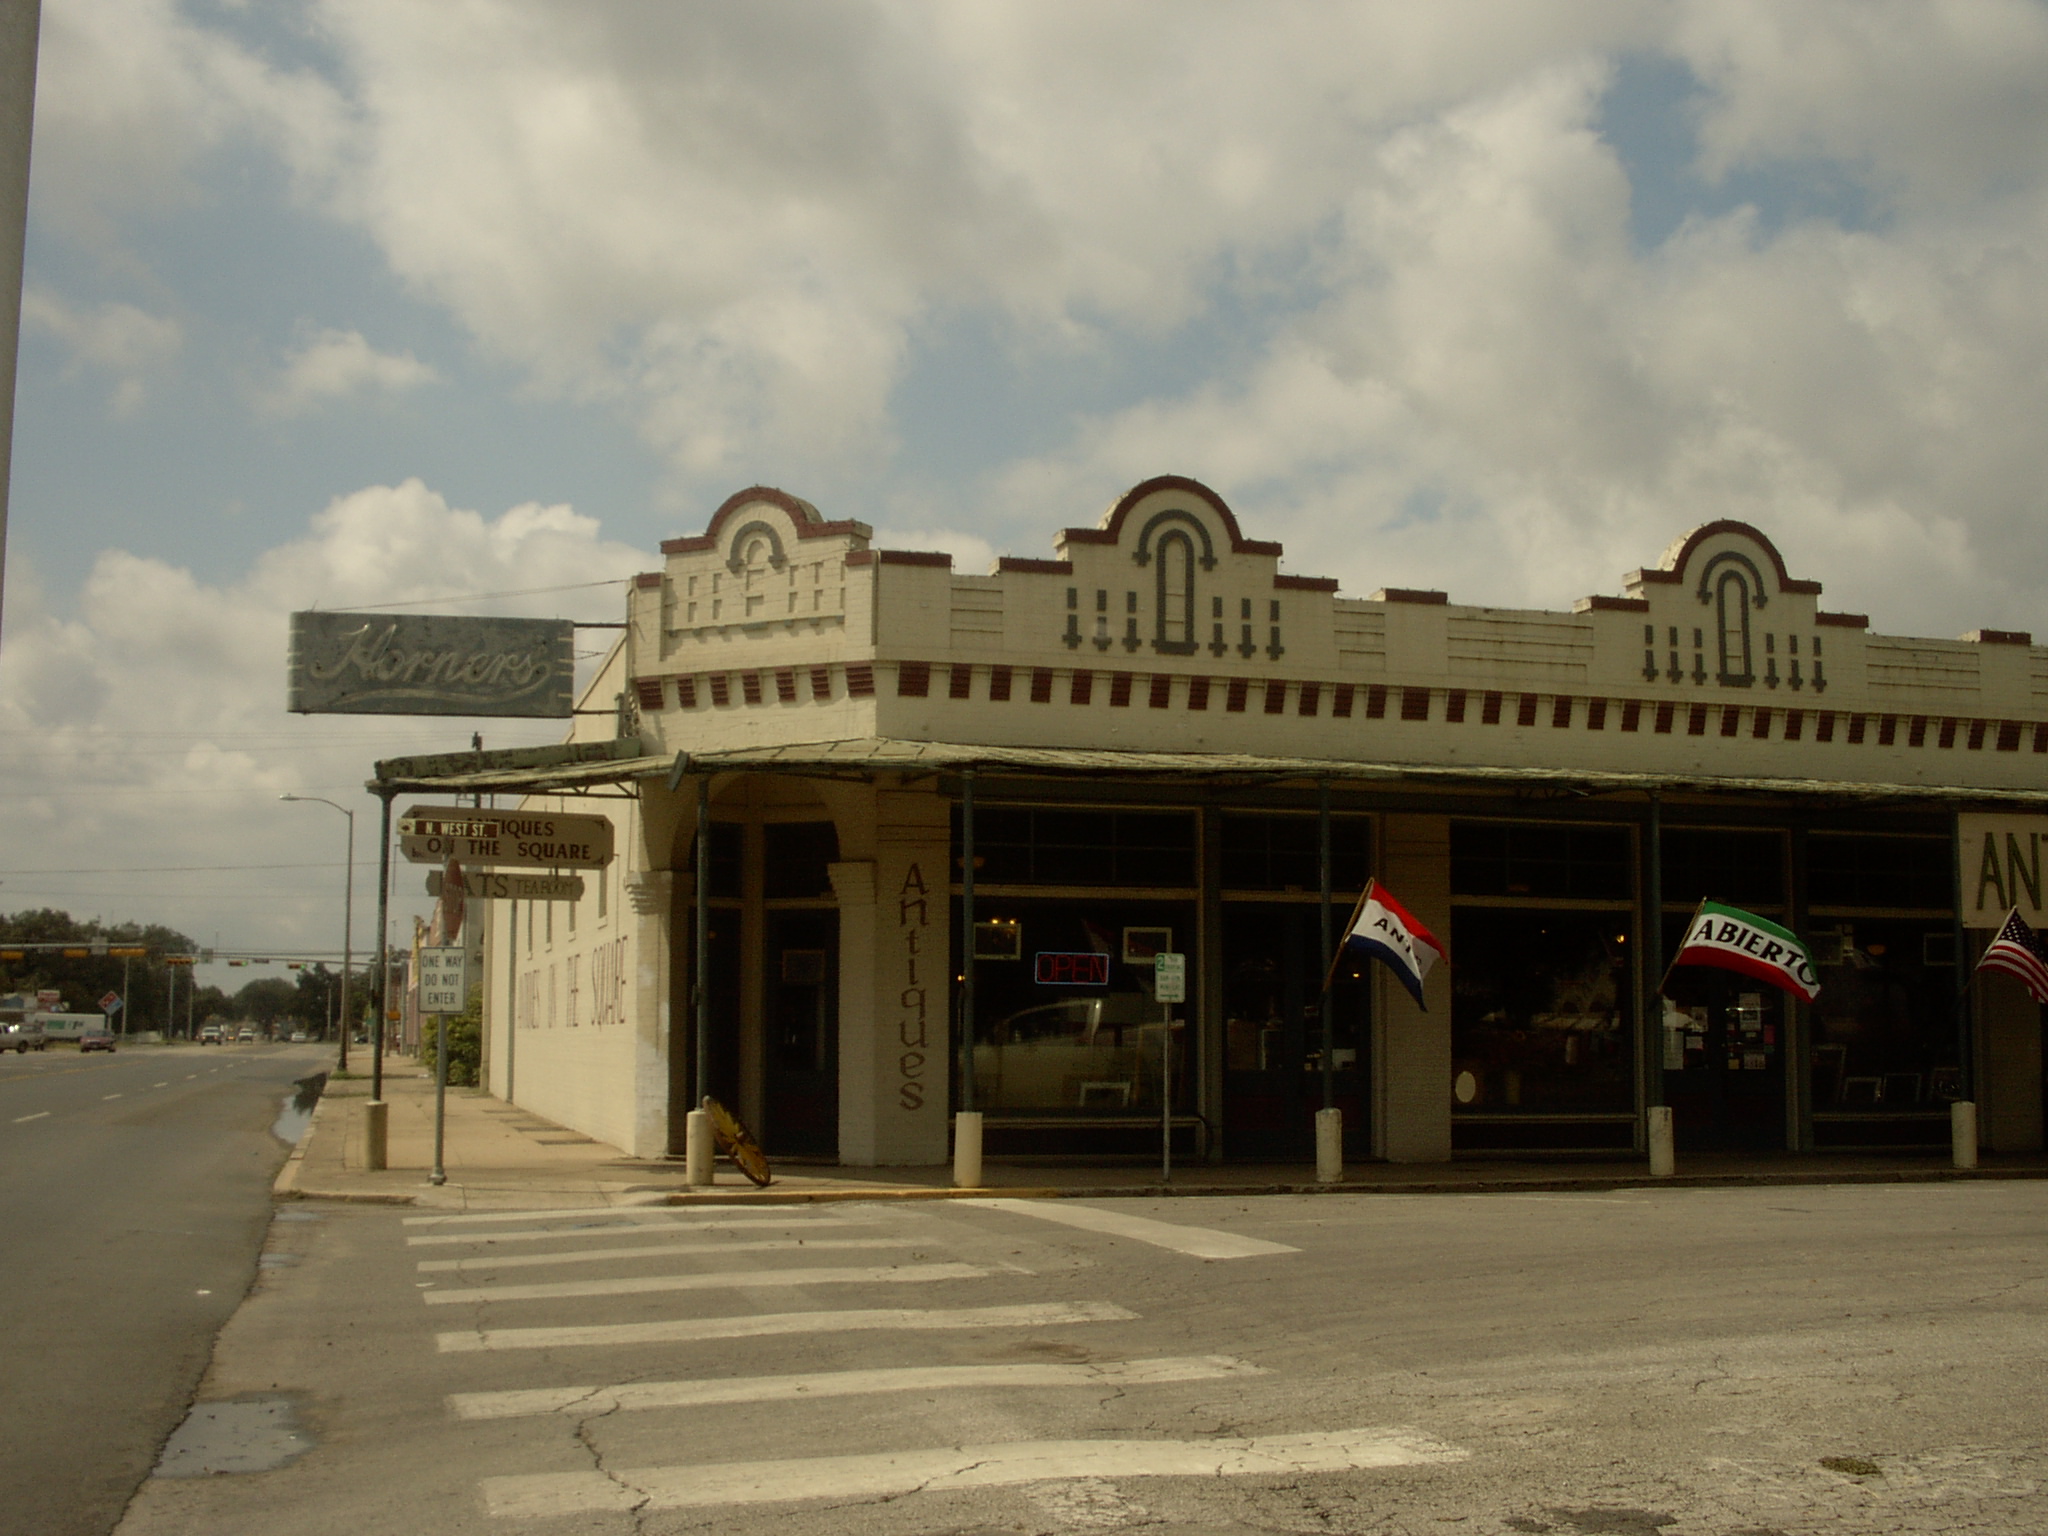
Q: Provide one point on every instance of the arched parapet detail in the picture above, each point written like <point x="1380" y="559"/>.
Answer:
<point x="1174" y="517"/>
<point x="736" y="550"/>
<point x="1111" y="529"/>
<point x="1671" y="569"/>
<point x="1718" y="564"/>
<point x="804" y="521"/>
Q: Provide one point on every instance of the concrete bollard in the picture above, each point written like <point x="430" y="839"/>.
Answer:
<point x="1663" y="1154"/>
<point x="967" y="1149"/>
<point x="1329" y="1146"/>
<point x="1962" y="1133"/>
<point x="376" y="1135"/>
<point x="699" y="1147"/>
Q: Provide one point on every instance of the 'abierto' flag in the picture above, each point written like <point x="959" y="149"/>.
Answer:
<point x="2018" y="951"/>
<point x="1736" y="940"/>
<point x="1383" y="929"/>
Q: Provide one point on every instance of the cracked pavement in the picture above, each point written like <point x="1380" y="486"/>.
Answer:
<point x="1663" y="1362"/>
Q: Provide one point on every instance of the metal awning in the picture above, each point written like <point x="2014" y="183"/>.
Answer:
<point x="875" y="754"/>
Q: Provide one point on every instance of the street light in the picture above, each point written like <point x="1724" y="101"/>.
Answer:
<point x="347" y="916"/>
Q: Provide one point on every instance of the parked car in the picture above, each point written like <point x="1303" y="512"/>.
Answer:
<point x="24" y="1037"/>
<point x="210" y="1034"/>
<point x="244" y="1034"/>
<point x="300" y="1037"/>
<point x="96" y="1040"/>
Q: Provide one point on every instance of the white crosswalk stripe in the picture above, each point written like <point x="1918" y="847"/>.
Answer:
<point x="1201" y="1242"/>
<point x="629" y="1396"/>
<point x="973" y="1466"/>
<point x="628" y="1225"/>
<point x="480" y="1263"/>
<point x="738" y="1279"/>
<point x="862" y="1320"/>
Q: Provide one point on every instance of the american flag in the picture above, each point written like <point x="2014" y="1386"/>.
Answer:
<point x="2018" y="951"/>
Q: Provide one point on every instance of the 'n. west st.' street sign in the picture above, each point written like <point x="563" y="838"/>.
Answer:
<point x="434" y="834"/>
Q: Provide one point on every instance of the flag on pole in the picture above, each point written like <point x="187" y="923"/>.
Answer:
<point x="1382" y="929"/>
<point x="2018" y="951"/>
<point x="1735" y="940"/>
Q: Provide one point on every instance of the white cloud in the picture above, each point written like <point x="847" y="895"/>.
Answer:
<point x="329" y="366"/>
<point x="146" y="727"/>
<point x="112" y="338"/>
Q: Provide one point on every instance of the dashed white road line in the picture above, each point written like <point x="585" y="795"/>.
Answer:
<point x="1201" y="1242"/>
<point x="41" y="1114"/>
<point x="645" y="1285"/>
<point x="631" y="1226"/>
<point x="633" y="1489"/>
<point x="761" y="1325"/>
<point x="628" y="1396"/>
<point x="489" y="1261"/>
<point x="160" y="1085"/>
<point x="106" y="1096"/>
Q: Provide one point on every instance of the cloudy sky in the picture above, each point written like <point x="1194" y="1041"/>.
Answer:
<point x="375" y="301"/>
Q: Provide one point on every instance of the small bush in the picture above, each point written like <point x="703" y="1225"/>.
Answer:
<point x="465" y="1042"/>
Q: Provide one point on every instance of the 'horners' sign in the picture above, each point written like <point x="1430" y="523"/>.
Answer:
<point x="428" y="664"/>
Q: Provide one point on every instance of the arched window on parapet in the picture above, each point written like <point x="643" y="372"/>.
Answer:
<point x="1174" y="568"/>
<point x="1732" y="599"/>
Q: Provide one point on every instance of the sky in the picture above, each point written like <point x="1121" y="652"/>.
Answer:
<point x="348" y="302"/>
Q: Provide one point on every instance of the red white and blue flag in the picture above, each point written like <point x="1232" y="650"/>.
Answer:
<point x="2018" y="951"/>
<point x="1382" y="929"/>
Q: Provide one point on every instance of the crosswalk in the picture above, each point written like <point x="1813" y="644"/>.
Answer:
<point x="638" y="1317"/>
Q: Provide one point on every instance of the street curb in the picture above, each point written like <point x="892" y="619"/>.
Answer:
<point x="1407" y="1187"/>
<point x="351" y="1196"/>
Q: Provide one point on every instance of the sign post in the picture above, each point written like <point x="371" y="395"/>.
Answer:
<point x="1169" y="986"/>
<point x="444" y="988"/>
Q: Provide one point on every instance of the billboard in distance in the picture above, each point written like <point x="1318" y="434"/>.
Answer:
<point x="430" y="664"/>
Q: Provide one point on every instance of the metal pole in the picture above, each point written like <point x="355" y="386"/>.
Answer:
<point x="967" y="939"/>
<point x="348" y="909"/>
<point x="440" y="1173"/>
<point x="1166" y="1093"/>
<point x="1653" y="958"/>
<point x="383" y="950"/>
<point x="512" y="990"/>
<point x="125" y="963"/>
<point x="1966" y="1075"/>
<point x="1323" y="930"/>
<point x="700" y="978"/>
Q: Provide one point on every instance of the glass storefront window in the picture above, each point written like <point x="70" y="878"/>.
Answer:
<point x="1060" y="845"/>
<point x="1849" y="870"/>
<point x="1283" y="853"/>
<point x="1721" y="864"/>
<point x="1525" y="859"/>
<point x="797" y="858"/>
<point x="1541" y="1013"/>
<point x="1884" y="1026"/>
<point x="1048" y="1049"/>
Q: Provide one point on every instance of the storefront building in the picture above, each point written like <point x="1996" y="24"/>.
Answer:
<point x="1157" y="740"/>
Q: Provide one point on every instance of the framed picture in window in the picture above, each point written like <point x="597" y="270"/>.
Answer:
<point x="1141" y="944"/>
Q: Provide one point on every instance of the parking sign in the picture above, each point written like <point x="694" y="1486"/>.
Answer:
<point x="1170" y="977"/>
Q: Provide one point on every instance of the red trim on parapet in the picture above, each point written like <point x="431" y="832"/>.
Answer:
<point x="647" y="579"/>
<point x="1409" y="595"/>
<point x="805" y="516"/>
<point x="1843" y="620"/>
<point x="1305" y="583"/>
<point x="1035" y="567"/>
<point x="1600" y="603"/>
<point x="2000" y="637"/>
<point x="1669" y="575"/>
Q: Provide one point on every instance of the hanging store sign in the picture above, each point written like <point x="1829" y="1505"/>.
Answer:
<point x="491" y="885"/>
<point x="2001" y="868"/>
<point x="434" y="834"/>
<point x="430" y="664"/>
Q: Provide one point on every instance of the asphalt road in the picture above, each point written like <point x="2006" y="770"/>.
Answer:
<point x="1846" y="1359"/>
<point x="134" y="1195"/>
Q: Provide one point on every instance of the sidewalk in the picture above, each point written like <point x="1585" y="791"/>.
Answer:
<point x="500" y="1156"/>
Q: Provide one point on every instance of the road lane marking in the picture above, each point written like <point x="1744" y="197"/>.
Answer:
<point x="486" y="1261"/>
<point x="633" y="1489"/>
<point x="41" y="1114"/>
<point x="630" y="1227"/>
<point x="619" y="1212"/>
<point x="1201" y="1242"/>
<point x="160" y="1085"/>
<point x="647" y="1285"/>
<point x="629" y="1396"/>
<point x="106" y="1096"/>
<point x="762" y="1325"/>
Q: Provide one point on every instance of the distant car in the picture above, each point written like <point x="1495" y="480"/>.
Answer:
<point x="23" y="1038"/>
<point x="210" y="1034"/>
<point x="300" y="1037"/>
<point x="96" y="1040"/>
<point x="245" y="1034"/>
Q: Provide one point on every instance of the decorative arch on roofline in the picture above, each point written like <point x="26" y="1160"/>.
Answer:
<point x="803" y="518"/>
<point x="1111" y="531"/>
<point x="1670" y="570"/>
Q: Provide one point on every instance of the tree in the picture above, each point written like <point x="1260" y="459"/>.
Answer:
<point x="465" y="1042"/>
<point x="264" y="1001"/>
<point x="83" y="982"/>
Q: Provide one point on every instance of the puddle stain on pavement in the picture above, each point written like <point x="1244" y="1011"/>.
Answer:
<point x="297" y="1114"/>
<point x="246" y="1434"/>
